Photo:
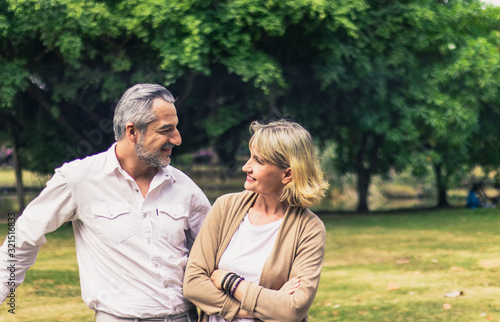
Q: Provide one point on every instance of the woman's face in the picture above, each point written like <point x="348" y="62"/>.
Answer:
<point x="263" y="177"/>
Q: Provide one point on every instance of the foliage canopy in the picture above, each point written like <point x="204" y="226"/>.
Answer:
<point x="393" y="84"/>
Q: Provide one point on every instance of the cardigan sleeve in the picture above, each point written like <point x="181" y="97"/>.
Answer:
<point x="273" y="305"/>
<point x="198" y="288"/>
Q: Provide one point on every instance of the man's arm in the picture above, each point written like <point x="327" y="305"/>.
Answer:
<point x="54" y="206"/>
<point x="198" y="213"/>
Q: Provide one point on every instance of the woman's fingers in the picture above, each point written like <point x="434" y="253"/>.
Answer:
<point x="217" y="277"/>
<point x="290" y="286"/>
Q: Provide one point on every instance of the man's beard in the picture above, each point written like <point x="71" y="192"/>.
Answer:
<point x="152" y="158"/>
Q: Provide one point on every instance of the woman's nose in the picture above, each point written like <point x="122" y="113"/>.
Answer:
<point x="246" y="167"/>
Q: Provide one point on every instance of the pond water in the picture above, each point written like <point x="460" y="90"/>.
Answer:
<point x="349" y="205"/>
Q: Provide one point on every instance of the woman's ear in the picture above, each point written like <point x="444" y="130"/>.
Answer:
<point x="287" y="176"/>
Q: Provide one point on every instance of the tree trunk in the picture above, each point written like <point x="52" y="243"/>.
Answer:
<point x="441" y="187"/>
<point x="19" y="179"/>
<point x="272" y="111"/>
<point x="364" y="179"/>
<point x="366" y="164"/>
<point x="13" y="130"/>
<point x="38" y="95"/>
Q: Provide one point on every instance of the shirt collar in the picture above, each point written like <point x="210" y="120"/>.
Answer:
<point x="113" y="164"/>
<point x="167" y="173"/>
<point x="111" y="160"/>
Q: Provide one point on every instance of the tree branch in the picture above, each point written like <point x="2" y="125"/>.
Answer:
<point x="38" y="95"/>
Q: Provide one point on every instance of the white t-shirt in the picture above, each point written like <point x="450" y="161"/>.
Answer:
<point x="247" y="252"/>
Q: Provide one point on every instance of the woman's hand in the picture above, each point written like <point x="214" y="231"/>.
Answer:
<point x="217" y="277"/>
<point x="290" y="286"/>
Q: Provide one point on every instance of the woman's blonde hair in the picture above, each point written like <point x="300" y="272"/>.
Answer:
<point x="288" y="145"/>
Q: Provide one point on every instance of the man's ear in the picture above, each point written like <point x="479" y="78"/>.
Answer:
<point x="287" y="176"/>
<point x="131" y="131"/>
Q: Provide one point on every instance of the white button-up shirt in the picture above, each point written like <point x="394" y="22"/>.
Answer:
<point x="131" y="250"/>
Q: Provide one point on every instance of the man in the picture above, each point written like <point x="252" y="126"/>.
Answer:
<point x="134" y="217"/>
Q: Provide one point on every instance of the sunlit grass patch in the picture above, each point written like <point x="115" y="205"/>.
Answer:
<point x="51" y="290"/>
<point x="401" y="267"/>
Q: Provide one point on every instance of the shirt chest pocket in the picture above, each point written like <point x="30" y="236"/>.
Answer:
<point x="173" y="224"/>
<point x="112" y="221"/>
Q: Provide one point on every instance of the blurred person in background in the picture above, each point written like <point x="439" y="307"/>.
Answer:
<point x="477" y="198"/>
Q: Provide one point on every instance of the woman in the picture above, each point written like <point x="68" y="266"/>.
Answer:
<point x="260" y="252"/>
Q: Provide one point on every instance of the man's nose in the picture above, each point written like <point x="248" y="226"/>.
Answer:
<point x="176" y="138"/>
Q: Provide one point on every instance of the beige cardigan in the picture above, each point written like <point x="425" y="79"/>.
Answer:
<point x="298" y="252"/>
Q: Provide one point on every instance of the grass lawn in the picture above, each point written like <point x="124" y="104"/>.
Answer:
<point x="378" y="267"/>
<point x="398" y="267"/>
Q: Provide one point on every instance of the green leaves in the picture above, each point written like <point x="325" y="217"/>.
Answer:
<point x="13" y="79"/>
<point x="385" y="80"/>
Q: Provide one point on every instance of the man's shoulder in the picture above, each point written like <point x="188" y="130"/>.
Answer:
<point x="80" y="168"/>
<point x="180" y="176"/>
<point x="184" y="181"/>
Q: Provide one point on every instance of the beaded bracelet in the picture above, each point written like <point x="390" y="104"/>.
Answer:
<point x="224" y="279"/>
<point x="230" y="283"/>
<point x="236" y="285"/>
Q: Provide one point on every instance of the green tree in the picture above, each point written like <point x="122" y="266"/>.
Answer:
<point x="462" y="91"/>
<point x="406" y="84"/>
<point x="483" y="145"/>
<point x="394" y="84"/>
<point x="63" y="64"/>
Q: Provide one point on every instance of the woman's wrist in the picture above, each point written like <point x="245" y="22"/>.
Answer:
<point x="230" y="283"/>
<point x="226" y="281"/>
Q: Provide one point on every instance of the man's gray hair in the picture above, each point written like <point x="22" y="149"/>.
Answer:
<point x="135" y="106"/>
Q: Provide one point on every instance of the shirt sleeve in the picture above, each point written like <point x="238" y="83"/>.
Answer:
<point x="273" y="305"/>
<point x="198" y="288"/>
<point x="54" y="206"/>
<point x="198" y="213"/>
